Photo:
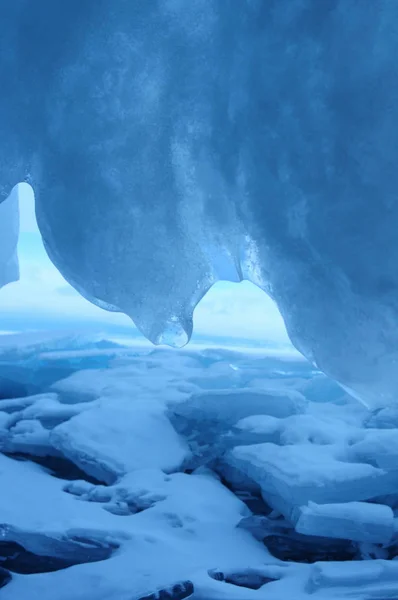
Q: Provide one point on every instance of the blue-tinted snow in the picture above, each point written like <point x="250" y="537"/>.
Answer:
<point x="148" y="460"/>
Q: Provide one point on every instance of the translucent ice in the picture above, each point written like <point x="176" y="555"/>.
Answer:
<point x="9" y="230"/>
<point x="360" y="521"/>
<point x="173" y="143"/>
<point x="291" y="476"/>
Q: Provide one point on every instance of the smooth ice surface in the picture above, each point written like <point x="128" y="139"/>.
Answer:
<point x="290" y="476"/>
<point x="204" y="140"/>
<point x="339" y="580"/>
<point x="358" y="521"/>
<point x="9" y="231"/>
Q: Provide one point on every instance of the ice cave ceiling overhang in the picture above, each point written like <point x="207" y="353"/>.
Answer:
<point x="159" y="135"/>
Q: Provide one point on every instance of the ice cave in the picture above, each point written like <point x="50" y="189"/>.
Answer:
<point x="170" y="145"/>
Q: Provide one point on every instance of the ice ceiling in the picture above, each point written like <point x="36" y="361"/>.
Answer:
<point x="164" y="138"/>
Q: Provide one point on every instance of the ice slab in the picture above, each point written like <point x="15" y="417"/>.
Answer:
<point x="25" y="423"/>
<point x="18" y="346"/>
<point x="296" y="429"/>
<point x="252" y="579"/>
<point x="256" y="429"/>
<point x="378" y="447"/>
<point x="164" y="375"/>
<point x="31" y="362"/>
<point x="357" y="521"/>
<point x="28" y="552"/>
<point x="27" y="437"/>
<point x="376" y="579"/>
<point x="119" y="436"/>
<point x="49" y="411"/>
<point x="18" y="405"/>
<point x="208" y="419"/>
<point x="291" y="476"/>
<point x="177" y="591"/>
<point x="288" y="545"/>
<point x="84" y="367"/>
<point x="179" y="527"/>
<point x="229" y="406"/>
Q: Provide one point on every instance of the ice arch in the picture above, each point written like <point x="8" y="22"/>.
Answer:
<point x="160" y="134"/>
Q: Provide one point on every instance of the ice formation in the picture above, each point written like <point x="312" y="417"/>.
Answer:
<point x="296" y="496"/>
<point x="172" y="143"/>
<point x="361" y="521"/>
<point x="9" y="230"/>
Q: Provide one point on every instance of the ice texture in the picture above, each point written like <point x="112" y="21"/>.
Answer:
<point x="118" y="437"/>
<point x="9" y="232"/>
<point x="210" y="420"/>
<point x="189" y="523"/>
<point x="378" y="581"/>
<point x="298" y="498"/>
<point x="171" y="144"/>
<point x="293" y="475"/>
<point x="379" y="448"/>
<point x="359" y="521"/>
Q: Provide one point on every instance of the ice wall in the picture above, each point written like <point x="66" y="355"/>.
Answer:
<point x="9" y="231"/>
<point x="171" y="142"/>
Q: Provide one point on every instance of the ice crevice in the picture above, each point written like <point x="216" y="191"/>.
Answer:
<point x="265" y="134"/>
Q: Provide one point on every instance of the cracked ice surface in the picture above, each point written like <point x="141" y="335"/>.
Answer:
<point x="171" y="143"/>
<point x="170" y="494"/>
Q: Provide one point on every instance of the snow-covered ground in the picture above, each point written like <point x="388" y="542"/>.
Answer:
<point x="132" y="473"/>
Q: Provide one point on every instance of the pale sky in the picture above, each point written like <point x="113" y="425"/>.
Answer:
<point x="228" y="310"/>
